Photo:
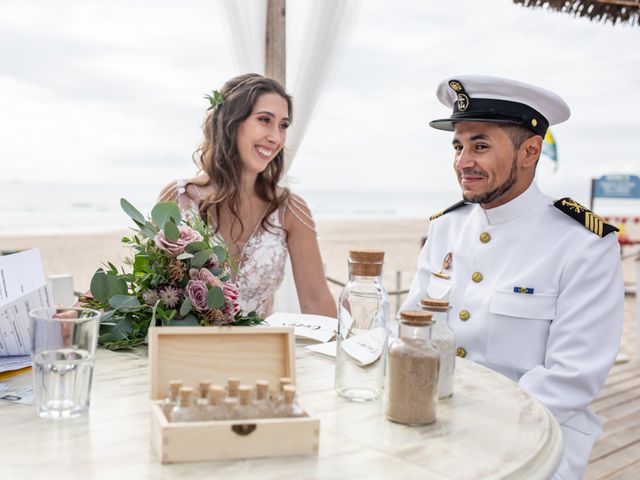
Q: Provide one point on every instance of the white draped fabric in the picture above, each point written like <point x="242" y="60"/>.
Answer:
<point x="326" y="31"/>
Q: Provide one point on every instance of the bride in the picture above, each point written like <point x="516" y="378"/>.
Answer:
<point x="241" y="161"/>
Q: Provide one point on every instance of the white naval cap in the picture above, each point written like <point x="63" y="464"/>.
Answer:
<point x="481" y="98"/>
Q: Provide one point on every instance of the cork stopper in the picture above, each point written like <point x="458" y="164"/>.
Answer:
<point x="415" y="317"/>
<point x="284" y="381"/>
<point x="244" y="392"/>
<point x="232" y="386"/>
<point x="367" y="263"/>
<point x="174" y="388"/>
<point x="434" y="304"/>
<point x="203" y="386"/>
<point x="184" y="397"/>
<point x="216" y="393"/>
<point x="289" y="393"/>
<point x="262" y="387"/>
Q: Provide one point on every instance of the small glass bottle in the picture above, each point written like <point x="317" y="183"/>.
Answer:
<point x="444" y="338"/>
<point x="214" y="410"/>
<point x="262" y="403"/>
<point x="203" y="390"/>
<point x="282" y="382"/>
<point x="412" y="379"/>
<point x="363" y="315"/>
<point x="232" y="386"/>
<point x="184" y="411"/>
<point x="289" y="407"/>
<point x="246" y="408"/>
<point x="172" y="400"/>
<point x="230" y="405"/>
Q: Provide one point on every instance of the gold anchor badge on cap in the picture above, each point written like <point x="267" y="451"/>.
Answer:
<point x="462" y="100"/>
<point x="446" y="265"/>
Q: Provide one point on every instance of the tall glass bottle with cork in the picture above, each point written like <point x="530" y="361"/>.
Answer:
<point x="444" y="338"/>
<point x="363" y="316"/>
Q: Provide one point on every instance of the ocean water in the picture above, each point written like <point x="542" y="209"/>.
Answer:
<point x="51" y="209"/>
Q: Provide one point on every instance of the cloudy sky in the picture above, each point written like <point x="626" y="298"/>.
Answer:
<point x="111" y="91"/>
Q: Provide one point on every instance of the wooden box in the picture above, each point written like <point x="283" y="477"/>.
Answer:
<point x="192" y="354"/>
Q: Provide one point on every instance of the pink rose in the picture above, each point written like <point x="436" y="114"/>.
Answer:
<point x="187" y="235"/>
<point x="231" y="305"/>
<point x="205" y="276"/>
<point x="197" y="291"/>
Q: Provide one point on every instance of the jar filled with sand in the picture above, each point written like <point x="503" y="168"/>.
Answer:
<point x="412" y="375"/>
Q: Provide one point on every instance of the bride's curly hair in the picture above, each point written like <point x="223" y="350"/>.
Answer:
<point x="218" y="155"/>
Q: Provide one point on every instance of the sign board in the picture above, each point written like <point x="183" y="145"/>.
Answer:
<point x="617" y="186"/>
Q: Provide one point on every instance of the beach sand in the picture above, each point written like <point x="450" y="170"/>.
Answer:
<point x="81" y="255"/>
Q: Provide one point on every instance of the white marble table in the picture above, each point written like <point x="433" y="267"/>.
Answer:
<point x="490" y="429"/>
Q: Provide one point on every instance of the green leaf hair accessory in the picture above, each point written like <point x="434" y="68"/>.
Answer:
<point x="215" y="99"/>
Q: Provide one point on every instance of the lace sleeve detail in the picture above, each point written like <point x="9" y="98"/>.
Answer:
<point x="300" y="210"/>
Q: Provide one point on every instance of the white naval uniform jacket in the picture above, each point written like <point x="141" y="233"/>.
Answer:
<point x="559" y="341"/>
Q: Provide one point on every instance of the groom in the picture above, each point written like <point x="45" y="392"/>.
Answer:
<point x="535" y="285"/>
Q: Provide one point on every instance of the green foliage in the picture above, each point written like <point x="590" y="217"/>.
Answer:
<point x="153" y="291"/>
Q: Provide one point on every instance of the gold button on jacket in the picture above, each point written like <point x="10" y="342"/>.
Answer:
<point x="485" y="237"/>
<point x="461" y="352"/>
<point x="476" y="277"/>
<point x="464" y="315"/>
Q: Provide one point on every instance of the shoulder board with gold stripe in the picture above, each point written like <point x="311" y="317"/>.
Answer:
<point x="585" y="216"/>
<point x="453" y="207"/>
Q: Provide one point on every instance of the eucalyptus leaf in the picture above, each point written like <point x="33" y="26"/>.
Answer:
<point x="200" y="258"/>
<point x="184" y="256"/>
<point x="145" y="230"/>
<point x="162" y="212"/>
<point x="106" y="285"/>
<point x="194" y="247"/>
<point x="171" y="231"/>
<point x="215" y="298"/>
<point x="132" y="211"/>
<point x="123" y="301"/>
<point x="186" y="306"/>
<point x="120" y="331"/>
<point x="188" y="321"/>
<point x="106" y="316"/>
<point x="220" y="253"/>
<point x="141" y="263"/>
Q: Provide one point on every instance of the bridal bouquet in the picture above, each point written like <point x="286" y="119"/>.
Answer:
<point x="180" y="275"/>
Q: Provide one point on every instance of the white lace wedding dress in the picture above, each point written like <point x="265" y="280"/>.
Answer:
<point x="263" y="257"/>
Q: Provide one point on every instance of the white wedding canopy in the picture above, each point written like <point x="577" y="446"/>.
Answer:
<point x="326" y="31"/>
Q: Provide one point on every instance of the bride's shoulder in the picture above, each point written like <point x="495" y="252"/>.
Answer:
<point x="195" y="189"/>
<point x="297" y="212"/>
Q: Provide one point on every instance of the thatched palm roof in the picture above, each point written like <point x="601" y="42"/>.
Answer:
<point x="624" y="11"/>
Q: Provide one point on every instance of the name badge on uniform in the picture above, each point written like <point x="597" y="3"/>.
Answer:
<point x="446" y="265"/>
<point x="527" y="290"/>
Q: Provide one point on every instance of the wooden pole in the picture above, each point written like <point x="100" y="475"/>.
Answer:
<point x="275" y="45"/>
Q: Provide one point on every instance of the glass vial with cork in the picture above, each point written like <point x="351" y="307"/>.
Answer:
<point x="246" y="408"/>
<point x="412" y="379"/>
<point x="172" y="400"/>
<point x="289" y="407"/>
<point x="262" y="403"/>
<point x="184" y="411"/>
<point x="444" y="338"/>
<point x="214" y="410"/>
<point x="363" y="316"/>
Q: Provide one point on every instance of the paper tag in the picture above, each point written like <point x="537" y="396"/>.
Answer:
<point x="314" y="327"/>
<point x="366" y="347"/>
<point x="346" y="320"/>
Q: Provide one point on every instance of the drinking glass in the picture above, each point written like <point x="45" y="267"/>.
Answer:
<point x="63" y="347"/>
